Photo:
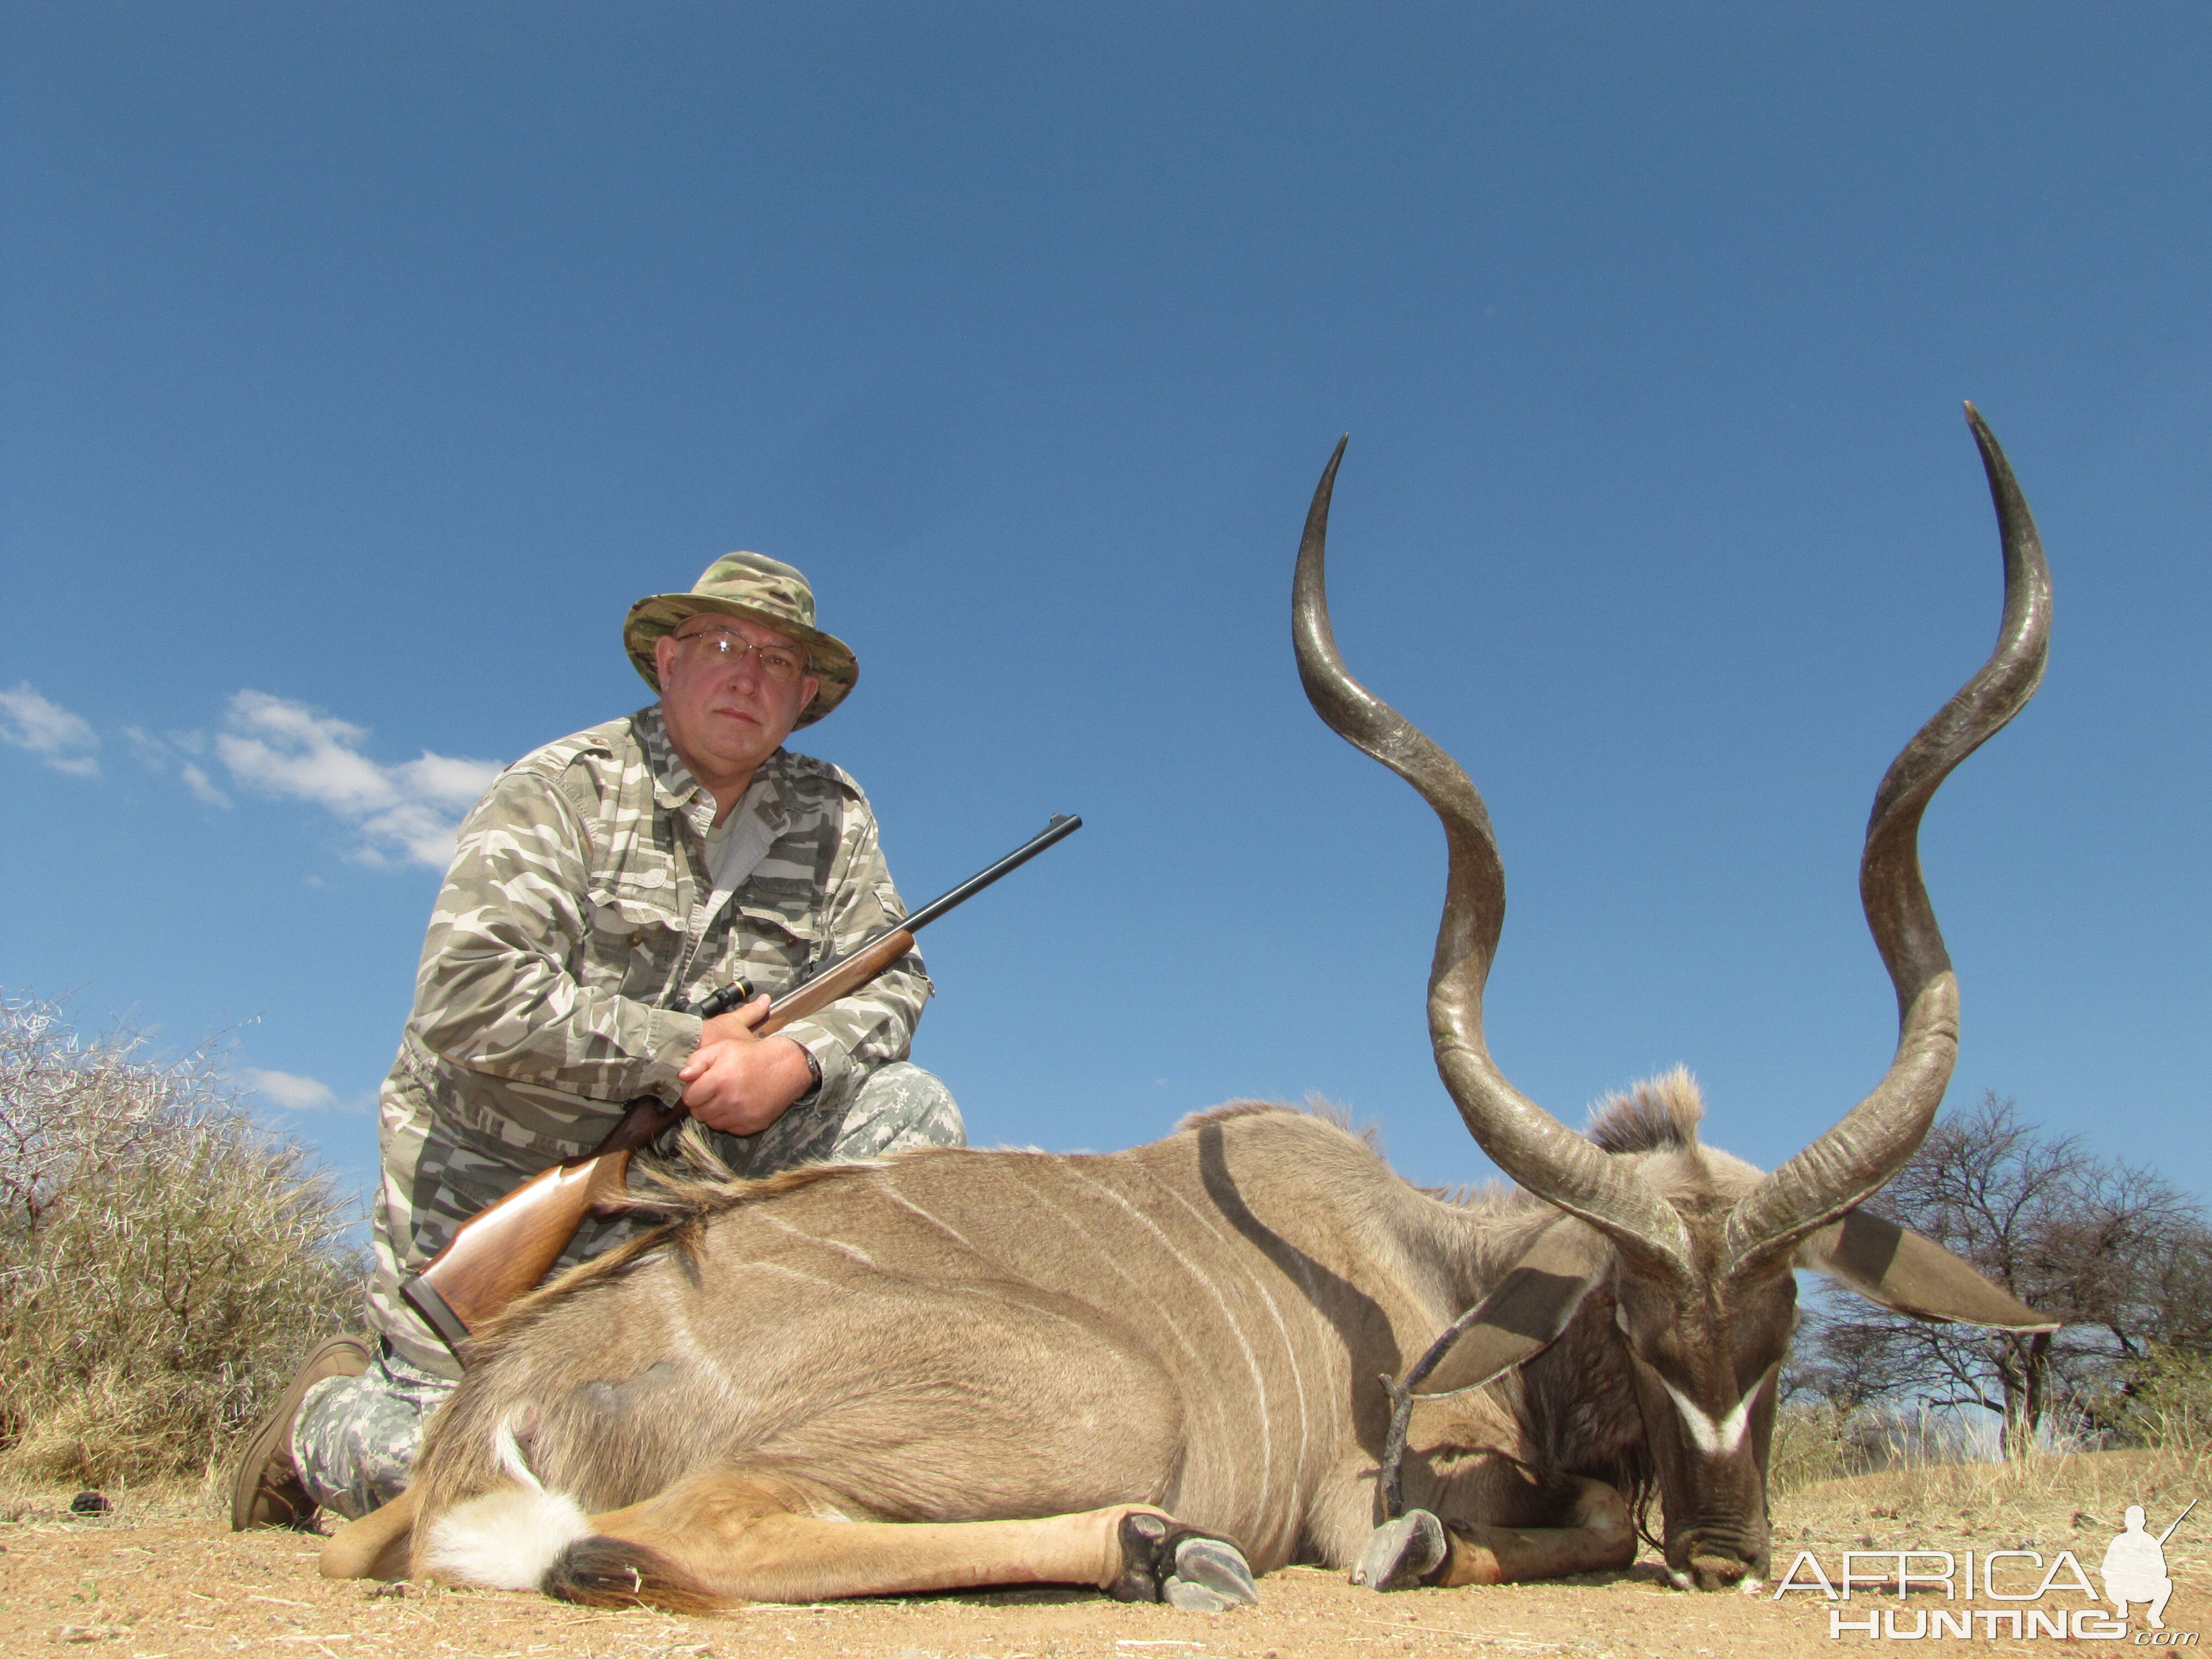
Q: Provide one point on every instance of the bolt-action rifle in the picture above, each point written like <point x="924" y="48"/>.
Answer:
<point x="499" y="1254"/>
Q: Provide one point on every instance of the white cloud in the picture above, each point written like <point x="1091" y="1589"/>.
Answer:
<point x="412" y="808"/>
<point x="64" y="741"/>
<point x="293" y="1094"/>
<point x="157" y="753"/>
<point x="454" y="783"/>
<point x="406" y="812"/>
<point x="197" y="782"/>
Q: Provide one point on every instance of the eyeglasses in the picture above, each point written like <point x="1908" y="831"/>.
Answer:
<point x="726" y="649"/>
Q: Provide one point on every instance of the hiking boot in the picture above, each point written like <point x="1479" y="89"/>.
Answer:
<point x="266" y="1490"/>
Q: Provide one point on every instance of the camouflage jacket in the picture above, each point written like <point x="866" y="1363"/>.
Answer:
<point x="574" y="923"/>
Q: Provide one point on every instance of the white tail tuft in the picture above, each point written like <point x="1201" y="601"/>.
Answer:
<point x="505" y="1540"/>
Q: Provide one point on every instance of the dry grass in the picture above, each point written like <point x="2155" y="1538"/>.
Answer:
<point x="1817" y="1441"/>
<point x="163" y="1261"/>
<point x="2049" y="1501"/>
<point x="1812" y="1444"/>
<point x="1873" y="1482"/>
<point x="2165" y="1425"/>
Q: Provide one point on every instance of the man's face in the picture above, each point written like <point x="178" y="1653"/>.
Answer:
<point x="725" y="709"/>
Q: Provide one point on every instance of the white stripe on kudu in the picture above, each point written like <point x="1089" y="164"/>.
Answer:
<point x="1205" y="1282"/>
<point x="1714" y="1439"/>
<point x="1710" y="1437"/>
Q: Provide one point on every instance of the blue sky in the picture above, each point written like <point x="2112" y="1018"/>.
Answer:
<point x="359" y="366"/>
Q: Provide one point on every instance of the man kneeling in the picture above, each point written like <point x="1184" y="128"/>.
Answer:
<point x="604" y="884"/>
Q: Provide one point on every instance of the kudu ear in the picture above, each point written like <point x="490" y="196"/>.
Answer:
<point x="1524" y="1315"/>
<point x="1906" y="1273"/>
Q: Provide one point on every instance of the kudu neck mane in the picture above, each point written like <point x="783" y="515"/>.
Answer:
<point x="1651" y="1130"/>
<point x="1659" y="1114"/>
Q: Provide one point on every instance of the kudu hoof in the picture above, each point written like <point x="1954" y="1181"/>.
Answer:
<point x="1714" y="1572"/>
<point x="1182" y="1566"/>
<point x="1401" y="1553"/>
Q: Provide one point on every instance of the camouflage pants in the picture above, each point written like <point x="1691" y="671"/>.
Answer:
<point x="355" y="1437"/>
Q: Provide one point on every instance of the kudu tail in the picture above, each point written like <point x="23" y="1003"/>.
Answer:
<point x="507" y="1539"/>
<point x="519" y="1536"/>
<point x="599" y="1572"/>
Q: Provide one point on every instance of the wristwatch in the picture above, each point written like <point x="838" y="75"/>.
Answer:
<point x="814" y="1071"/>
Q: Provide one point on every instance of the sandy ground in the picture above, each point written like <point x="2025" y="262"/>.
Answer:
<point x="161" y="1578"/>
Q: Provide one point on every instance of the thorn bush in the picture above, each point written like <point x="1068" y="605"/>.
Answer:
<point x="164" y="1261"/>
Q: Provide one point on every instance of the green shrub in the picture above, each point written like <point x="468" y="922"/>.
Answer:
<point x="2170" y="1406"/>
<point x="164" y="1262"/>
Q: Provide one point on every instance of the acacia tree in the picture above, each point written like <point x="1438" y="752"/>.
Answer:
<point x="2114" y="1250"/>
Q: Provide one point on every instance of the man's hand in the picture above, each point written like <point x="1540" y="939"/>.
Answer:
<point x="740" y="1082"/>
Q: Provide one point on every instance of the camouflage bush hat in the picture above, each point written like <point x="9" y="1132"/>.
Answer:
<point x="759" y="589"/>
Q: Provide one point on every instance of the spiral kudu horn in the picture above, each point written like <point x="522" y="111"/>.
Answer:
<point x="1851" y="1161"/>
<point x="1522" y="1139"/>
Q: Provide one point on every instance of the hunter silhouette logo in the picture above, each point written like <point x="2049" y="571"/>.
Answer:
<point x="2029" y="1598"/>
<point x="2135" y="1567"/>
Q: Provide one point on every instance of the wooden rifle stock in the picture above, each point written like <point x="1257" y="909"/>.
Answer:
<point x="499" y="1254"/>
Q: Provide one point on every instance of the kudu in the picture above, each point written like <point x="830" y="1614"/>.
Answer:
<point x="1156" y="1371"/>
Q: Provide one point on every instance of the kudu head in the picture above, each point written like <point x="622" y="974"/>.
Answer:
<point x="1700" y="1272"/>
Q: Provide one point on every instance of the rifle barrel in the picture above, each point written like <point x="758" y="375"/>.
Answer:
<point x="2177" y="1520"/>
<point x="741" y="992"/>
<point x="1059" y="830"/>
